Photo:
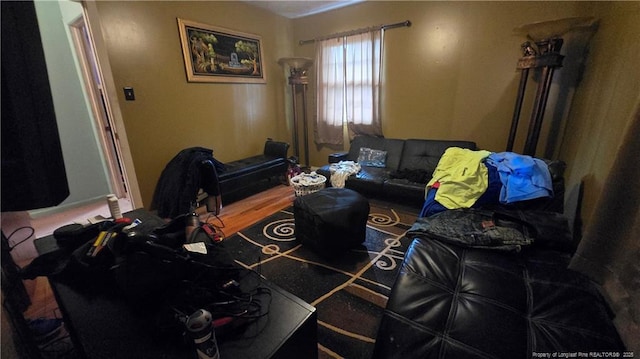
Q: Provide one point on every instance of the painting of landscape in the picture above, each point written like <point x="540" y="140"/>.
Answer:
<point x="213" y="54"/>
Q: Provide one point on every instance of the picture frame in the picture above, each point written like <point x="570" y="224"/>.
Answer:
<point x="215" y="54"/>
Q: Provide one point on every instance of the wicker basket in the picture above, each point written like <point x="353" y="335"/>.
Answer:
<point x="306" y="183"/>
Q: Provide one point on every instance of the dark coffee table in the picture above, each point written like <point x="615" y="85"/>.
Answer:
<point x="102" y="325"/>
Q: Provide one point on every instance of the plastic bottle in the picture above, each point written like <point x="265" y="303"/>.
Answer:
<point x="192" y="221"/>
<point x="199" y="325"/>
<point x="114" y="207"/>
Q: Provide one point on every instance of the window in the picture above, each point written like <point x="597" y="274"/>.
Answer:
<point x="348" y="86"/>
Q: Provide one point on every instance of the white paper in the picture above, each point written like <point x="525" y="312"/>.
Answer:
<point x="199" y="247"/>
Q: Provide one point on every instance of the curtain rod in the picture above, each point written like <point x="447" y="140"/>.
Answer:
<point x="406" y="23"/>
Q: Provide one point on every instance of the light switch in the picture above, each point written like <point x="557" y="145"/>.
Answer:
<point x="128" y="94"/>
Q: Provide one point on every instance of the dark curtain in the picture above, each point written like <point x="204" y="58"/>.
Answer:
<point x="610" y="248"/>
<point x="33" y="171"/>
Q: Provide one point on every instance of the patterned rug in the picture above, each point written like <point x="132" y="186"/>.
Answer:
<point x="348" y="292"/>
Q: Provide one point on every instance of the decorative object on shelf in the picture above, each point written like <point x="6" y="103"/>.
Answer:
<point x="543" y="54"/>
<point x="214" y="54"/>
<point x="298" y="67"/>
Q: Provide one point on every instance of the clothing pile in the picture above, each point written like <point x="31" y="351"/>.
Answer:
<point x="341" y="171"/>
<point x="469" y="179"/>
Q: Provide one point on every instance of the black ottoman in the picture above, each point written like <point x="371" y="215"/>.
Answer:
<point x="331" y="220"/>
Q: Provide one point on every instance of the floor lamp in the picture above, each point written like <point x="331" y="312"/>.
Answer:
<point x="298" y="67"/>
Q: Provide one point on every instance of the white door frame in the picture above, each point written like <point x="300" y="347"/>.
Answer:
<point x="95" y="93"/>
<point x="111" y="104"/>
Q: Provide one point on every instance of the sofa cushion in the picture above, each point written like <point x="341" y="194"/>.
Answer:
<point x="404" y="189"/>
<point x="392" y="146"/>
<point x="425" y="154"/>
<point x="368" y="180"/>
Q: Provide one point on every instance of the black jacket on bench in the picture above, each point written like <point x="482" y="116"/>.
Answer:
<point x="182" y="178"/>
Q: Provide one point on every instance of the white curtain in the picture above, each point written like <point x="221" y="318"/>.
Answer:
<point x="348" y="86"/>
<point x="363" y="62"/>
<point x="330" y="89"/>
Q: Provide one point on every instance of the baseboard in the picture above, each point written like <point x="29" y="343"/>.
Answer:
<point x="38" y="213"/>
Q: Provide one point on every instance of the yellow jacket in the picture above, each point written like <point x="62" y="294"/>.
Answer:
<point x="463" y="177"/>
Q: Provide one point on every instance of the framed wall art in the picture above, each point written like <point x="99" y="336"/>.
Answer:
<point x="214" y="54"/>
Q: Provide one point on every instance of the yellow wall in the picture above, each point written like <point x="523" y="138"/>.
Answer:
<point x="452" y="74"/>
<point x="170" y="114"/>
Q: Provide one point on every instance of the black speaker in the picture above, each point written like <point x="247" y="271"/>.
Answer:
<point x="33" y="171"/>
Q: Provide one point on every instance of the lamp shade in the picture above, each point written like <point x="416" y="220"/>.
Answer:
<point x="300" y="63"/>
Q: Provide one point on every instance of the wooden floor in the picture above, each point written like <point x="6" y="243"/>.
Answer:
<point x="244" y="213"/>
<point x="235" y="216"/>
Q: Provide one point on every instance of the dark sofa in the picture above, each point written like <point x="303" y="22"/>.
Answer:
<point x="456" y="299"/>
<point x="408" y="166"/>
<point x="454" y="302"/>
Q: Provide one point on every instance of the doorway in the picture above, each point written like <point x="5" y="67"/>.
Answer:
<point x="94" y="89"/>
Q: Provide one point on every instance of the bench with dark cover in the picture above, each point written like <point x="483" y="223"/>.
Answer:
<point x="239" y="176"/>
<point x="408" y="166"/>
<point x="194" y="175"/>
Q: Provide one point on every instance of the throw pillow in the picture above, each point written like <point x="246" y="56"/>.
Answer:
<point x="372" y="158"/>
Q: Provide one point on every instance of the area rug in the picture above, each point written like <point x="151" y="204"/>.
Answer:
<point x="349" y="292"/>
